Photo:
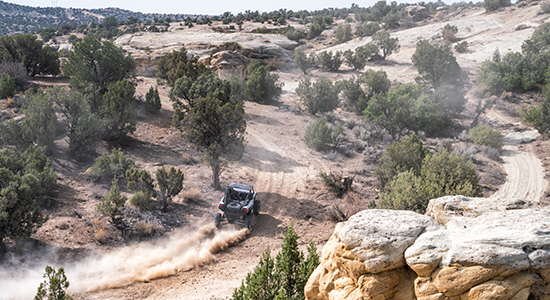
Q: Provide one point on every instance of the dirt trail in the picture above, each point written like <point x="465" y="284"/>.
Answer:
<point x="525" y="172"/>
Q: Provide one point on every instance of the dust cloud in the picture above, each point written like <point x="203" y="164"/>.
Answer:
<point x="179" y="252"/>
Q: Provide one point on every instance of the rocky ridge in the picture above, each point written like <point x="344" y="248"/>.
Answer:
<point x="463" y="248"/>
<point x="229" y="53"/>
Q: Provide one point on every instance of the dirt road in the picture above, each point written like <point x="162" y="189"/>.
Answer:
<point x="524" y="170"/>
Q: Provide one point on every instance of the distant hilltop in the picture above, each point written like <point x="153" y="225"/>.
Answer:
<point x="15" y="18"/>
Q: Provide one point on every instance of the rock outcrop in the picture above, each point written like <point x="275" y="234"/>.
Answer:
<point x="463" y="248"/>
<point x="229" y="53"/>
<point x="417" y="12"/>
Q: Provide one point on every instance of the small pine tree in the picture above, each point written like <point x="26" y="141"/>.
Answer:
<point x="54" y="287"/>
<point x="282" y="278"/>
<point x="288" y="262"/>
<point x="152" y="101"/>
<point x="112" y="205"/>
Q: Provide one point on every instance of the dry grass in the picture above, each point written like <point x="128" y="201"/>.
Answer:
<point x="10" y="102"/>
<point x="144" y="228"/>
<point x="101" y="233"/>
<point x="192" y="194"/>
<point x="187" y="159"/>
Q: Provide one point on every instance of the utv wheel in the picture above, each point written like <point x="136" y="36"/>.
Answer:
<point x="257" y="205"/>
<point x="217" y="219"/>
<point x="248" y="223"/>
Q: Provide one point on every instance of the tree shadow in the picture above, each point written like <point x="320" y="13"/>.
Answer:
<point x="268" y="161"/>
<point x="298" y="209"/>
<point x="262" y="120"/>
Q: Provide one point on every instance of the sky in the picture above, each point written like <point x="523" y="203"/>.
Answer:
<point x="208" y="7"/>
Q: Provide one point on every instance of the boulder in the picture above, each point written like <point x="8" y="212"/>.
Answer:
<point x="417" y="12"/>
<point x="477" y="249"/>
<point x="525" y="25"/>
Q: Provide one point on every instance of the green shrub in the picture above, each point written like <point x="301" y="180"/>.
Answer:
<point x="112" y="205"/>
<point x="485" y="135"/>
<point x="447" y="174"/>
<point x="343" y="33"/>
<point x="142" y="200"/>
<point x="318" y="135"/>
<point x="386" y="43"/>
<point x="321" y="96"/>
<point x="106" y="166"/>
<point x="442" y="174"/>
<point x="119" y="110"/>
<point x="17" y="72"/>
<point x="261" y="86"/>
<point x="302" y="60"/>
<point x="437" y="65"/>
<point x="354" y="95"/>
<point x="37" y="127"/>
<point x="7" y="86"/>
<point x="491" y="5"/>
<point x="177" y="64"/>
<point x="169" y="183"/>
<point x="27" y="180"/>
<point x="398" y="157"/>
<point x="367" y="29"/>
<point x="328" y="61"/>
<point x="152" y="101"/>
<point x="294" y="34"/>
<point x="461" y="47"/>
<point x="449" y="32"/>
<point x="358" y="58"/>
<point x="404" y="192"/>
<point x="317" y="26"/>
<point x="84" y="128"/>
<point x="538" y="115"/>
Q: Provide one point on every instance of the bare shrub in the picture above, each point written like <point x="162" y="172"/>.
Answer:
<point x="351" y="124"/>
<point x="361" y="133"/>
<point x="446" y="143"/>
<point x="351" y="204"/>
<point x="359" y="146"/>
<point x="330" y="117"/>
<point x="187" y="159"/>
<point x="192" y="194"/>
<point x="464" y="136"/>
<point x="143" y="228"/>
<point x="466" y="149"/>
<point x="545" y="6"/>
<point x="491" y="153"/>
<point x="336" y="183"/>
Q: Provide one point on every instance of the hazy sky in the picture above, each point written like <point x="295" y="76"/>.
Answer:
<point x="211" y="7"/>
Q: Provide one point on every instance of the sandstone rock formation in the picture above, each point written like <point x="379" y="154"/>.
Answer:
<point x="477" y="249"/>
<point x="417" y="12"/>
<point x="227" y="52"/>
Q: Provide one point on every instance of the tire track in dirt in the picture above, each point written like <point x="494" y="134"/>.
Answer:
<point x="525" y="172"/>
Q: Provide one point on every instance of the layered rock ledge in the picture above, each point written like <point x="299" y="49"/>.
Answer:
<point x="463" y="248"/>
<point x="229" y="53"/>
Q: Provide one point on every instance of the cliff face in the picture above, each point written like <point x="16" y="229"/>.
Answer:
<point x="477" y="249"/>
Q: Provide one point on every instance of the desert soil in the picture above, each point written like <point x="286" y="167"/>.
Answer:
<point x="283" y="170"/>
